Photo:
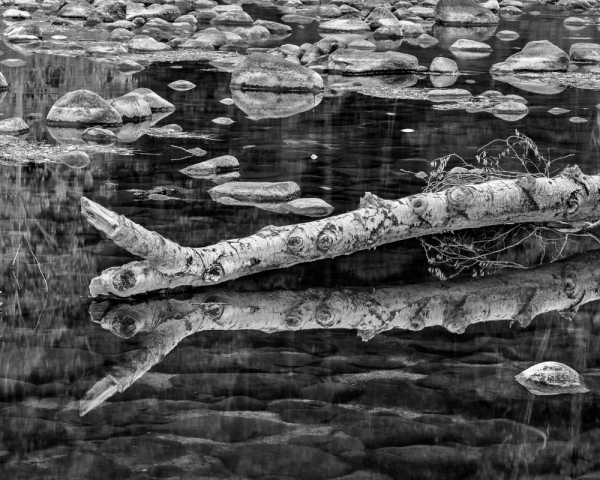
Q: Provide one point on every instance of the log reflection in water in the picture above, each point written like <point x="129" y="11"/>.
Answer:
<point x="519" y="295"/>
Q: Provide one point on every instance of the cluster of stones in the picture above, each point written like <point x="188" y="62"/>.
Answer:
<point x="82" y="108"/>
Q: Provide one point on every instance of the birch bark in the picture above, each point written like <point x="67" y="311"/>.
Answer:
<point x="518" y="295"/>
<point x="571" y="197"/>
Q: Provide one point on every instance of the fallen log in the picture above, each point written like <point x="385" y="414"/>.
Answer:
<point x="571" y="197"/>
<point x="518" y="295"/>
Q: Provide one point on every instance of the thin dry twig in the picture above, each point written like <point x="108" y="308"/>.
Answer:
<point x="484" y="251"/>
<point x="45" y="283"/>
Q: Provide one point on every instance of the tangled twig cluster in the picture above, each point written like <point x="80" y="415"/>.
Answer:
<point x="484" y="251"/>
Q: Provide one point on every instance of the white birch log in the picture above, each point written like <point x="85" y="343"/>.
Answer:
<point x="518" y="295"/>
<point x="571" y="197"/>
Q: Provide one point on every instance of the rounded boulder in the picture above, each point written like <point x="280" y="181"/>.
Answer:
<point x="82" y="108"/>
<point x="265" y="72"/>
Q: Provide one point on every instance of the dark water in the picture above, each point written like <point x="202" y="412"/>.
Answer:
<point x="242" y="402"/>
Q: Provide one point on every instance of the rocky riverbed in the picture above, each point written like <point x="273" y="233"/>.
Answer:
<point x="207" y="120"/>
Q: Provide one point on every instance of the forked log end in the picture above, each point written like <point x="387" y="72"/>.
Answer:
<point x="96" y="395"/>
<point x="100" y="217"/>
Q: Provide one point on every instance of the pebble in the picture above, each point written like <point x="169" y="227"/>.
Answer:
<point x="223" y="121"/>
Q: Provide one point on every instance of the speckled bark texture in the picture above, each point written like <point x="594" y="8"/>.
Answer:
<point x="572" y="197"/>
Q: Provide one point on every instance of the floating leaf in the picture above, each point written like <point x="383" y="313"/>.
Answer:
<point x="223" y="121"/>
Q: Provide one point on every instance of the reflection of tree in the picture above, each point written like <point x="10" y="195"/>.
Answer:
<point x="55" y="75"/>
<point x="518" y="295"/>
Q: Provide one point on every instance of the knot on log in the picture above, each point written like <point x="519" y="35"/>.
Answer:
<point x="123" y="325"/>
<point x="124" y="279"/>
<point x="569" y="281"/>
<point x="574" y="203"/>
<point x="372" y="201"/>
<point x="300" y="242"/>
<point x="419" y="205"/>
<point x="214" y="273"/>
<point x="213" y="307"/>
<point x="324" y="315"/>
<point x="293" y="319"/>
<point x="374" y="321"/>
<point x="574" y="173"/>
<point x="454" y="325"/>
<point x="527" y="183"/>
<point x="327" y="238"/>
<point x="459" y="197"/>
<point x="376" y="224"/>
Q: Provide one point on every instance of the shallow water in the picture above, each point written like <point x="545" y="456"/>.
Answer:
<point x="240" y="402"/>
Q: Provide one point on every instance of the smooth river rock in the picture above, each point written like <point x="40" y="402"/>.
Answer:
<point x="225" y="163"/>
<point x="357" y="62"/>
<point x="465" y="45"/>
<point x="156" y="102"/>
<point x="13" y="126"/>
<point x="132" y="108"/>
<point x="539" y="56"/>
<point x="463" y="12"/>
<point x="82" y="108"/>
<point x="257" y="191"/>
<point x="261" y="71"/>
<point x="551" y="378"/>
<point x="585" y="52"/>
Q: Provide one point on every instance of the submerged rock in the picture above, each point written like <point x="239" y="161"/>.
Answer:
<point x="310" y="207"/>
<point x="463" y="12"/>
<point x="225" y="163"/>
<point x="539" y="56"/>
<point x="98" y="135"/>
<point x="146" y="44"/>
<point x="13" y="126"/>
<point x="156" y="102"/>
<point x="273" y="27"/>
<point x="443" y="65"/>
<point x="507" y="35"/>
<point x="259" y="104"/>
<point x="223" y="121"/>
<point x="82" y="108"/>
<point x="356" y="62"/>
<point x="132" y="108"/>
<point x="510" y="111"/>
<point x="3" y="83"/>
<point x="284" y="461"/>
<point x="23" y="32"/>
<point x="257" y="191"/>
<point x="448" y="95"/>
<point x="13" y="13"/>
<point x="465" y="45"/>
<point x="558" y="111"/>
<point x="261" y="71"/>
<point x="181" y="85"/>
<point x="551" y="378"/>
<point x="585" y="52"/>
<point x="75" y="159"/>
<point x="344" y="26"/>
